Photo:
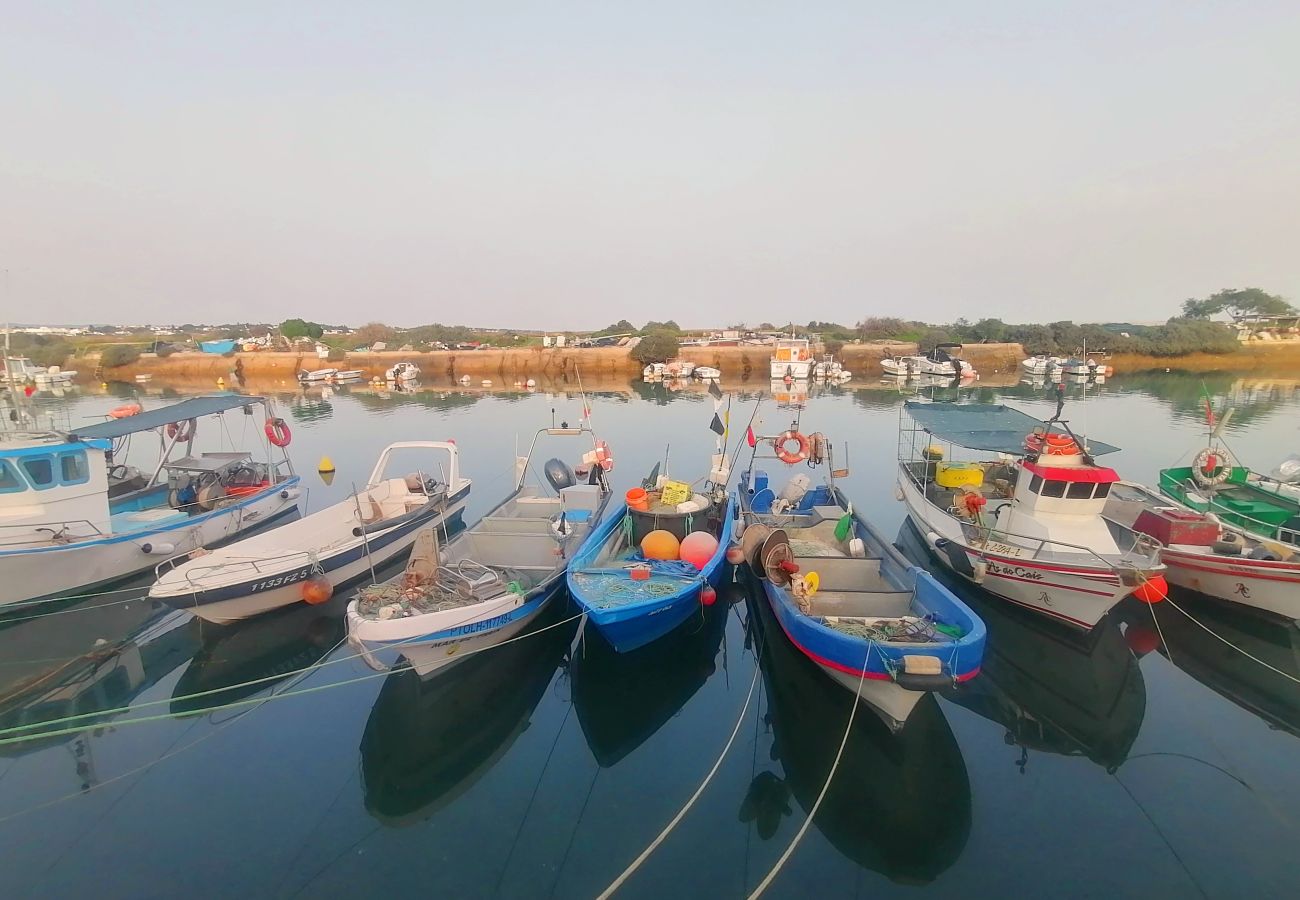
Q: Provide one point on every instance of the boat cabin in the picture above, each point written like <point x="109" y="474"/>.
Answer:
<point x="52" y="489"/>
<point x="792" y="350"/>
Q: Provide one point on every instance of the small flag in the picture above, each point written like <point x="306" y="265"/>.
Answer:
<point x="714" y="391"/>
<point x="749" y="437"/>
<point x="716" y="425"/>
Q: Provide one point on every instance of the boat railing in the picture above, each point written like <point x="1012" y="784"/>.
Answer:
<point x="1236" y="518"/>
<point x="1144" y="552"/>
<point x="56" y="529"/>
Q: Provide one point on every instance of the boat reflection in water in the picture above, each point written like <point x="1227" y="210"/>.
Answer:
<point x="1053" y="689"/>
<point x="252" y="656"/>
<point x="1272" y="696"/>
<point x="900" y="803"/>
<point x="429" y="740"/>
<point x="622" y="699"/>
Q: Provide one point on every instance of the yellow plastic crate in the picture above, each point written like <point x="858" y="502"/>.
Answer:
<point x="957" y="475"/>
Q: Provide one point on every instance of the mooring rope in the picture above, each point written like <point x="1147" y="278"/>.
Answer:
<point x="4" y="741"/>
<point x="1220" y="637"/>
<point x="812" y="813"/>
<point x="681" y="814"/>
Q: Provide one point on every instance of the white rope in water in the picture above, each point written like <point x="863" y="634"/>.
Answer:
<point x="681" y="814"/>
<point x="1206" y="628"/>
<point x="830" y="776"/>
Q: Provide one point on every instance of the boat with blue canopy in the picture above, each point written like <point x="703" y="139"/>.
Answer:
<point x="880" y="627"/>
<point x="77" y="516"/>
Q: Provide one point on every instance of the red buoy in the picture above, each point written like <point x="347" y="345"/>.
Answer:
<point x="317" y="590"/>
<point x="708" y="596"/>
<point x="1141" y="640"/>
<point x="1152" y="590"/>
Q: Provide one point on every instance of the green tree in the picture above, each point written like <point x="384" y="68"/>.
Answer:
<point x="371" y="332"/>
<point x="656" y="346"/>
<point x="670" y="326"/>
<point x="875" y="328"/>
<point x="299" y="328"/>
<point x="1237" y="302"/>
<point x="992" y="330"/>
<point x="115" y="355"/>
<point x="622" y="326"/>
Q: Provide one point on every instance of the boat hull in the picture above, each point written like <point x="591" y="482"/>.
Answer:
<point x="1079" y="595"/>
<point x="796" y="369"/>
<point x="58" y="570"/>
<point x="273" y="588"/>
<point x="435" y="641"/>
<point x="1267" y="585"/>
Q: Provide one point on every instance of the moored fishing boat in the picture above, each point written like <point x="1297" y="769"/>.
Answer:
<point x="489" y="581"/>
<point x="943" y="360"/>
<point x="792" y="358"/>
<point x="309" y="558"/>
<point x="880" y="627"/>
<point x="1027" y="524"/>
<point x="402" y="372"/>
<point x="707" y="373"/>
<point x="75" y="516"/>
<point x="632" y="598"/>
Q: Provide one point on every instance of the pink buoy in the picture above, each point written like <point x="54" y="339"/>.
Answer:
<point x="698" y="548"/>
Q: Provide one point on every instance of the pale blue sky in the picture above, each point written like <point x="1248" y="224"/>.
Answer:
<point x="563" y="165"/>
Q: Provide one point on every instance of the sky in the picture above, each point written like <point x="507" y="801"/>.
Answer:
<point x="566" y="165"/>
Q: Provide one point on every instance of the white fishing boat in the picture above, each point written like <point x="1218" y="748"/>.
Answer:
<point x="653" y="371"/>
<point x="1027" y="524"/>
<point x="707" y="373"/>
<point x="828" y="368"/>
<point x="792" y="358"/>
<point x="943" y="360"/>
<point x="1041" y="364"/>
<point x="69" y="525"/>
<point x="402" y="372"/>
<point x="308" y="559"/>
<point x="900" y="365"/>
<point x="488" y="582"/>
<point x="678" y="368"/>
<point x="21" y="370"/>
<point x="1205" y="555"/>
<point x="329" y="376"/>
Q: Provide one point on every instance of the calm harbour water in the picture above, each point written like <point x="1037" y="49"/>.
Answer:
<point x="1070" y="767"/>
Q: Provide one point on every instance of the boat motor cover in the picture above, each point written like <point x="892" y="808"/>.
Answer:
<point x="558" y="474"/>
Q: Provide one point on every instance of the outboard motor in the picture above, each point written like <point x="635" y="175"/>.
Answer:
<point x="559" y="475"/>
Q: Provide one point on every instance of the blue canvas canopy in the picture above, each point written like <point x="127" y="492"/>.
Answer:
<point x="164" y="415"/>
<point x="983" y="426"/>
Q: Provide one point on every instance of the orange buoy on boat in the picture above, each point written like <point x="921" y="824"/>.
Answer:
<point x="1152" y="590"/>
<point x="637" y="499"/>
<point x="125" y="410"/>
<point x="660" y="544"/>
<point x="317" y="590"/>
<point x="698" y="547"/>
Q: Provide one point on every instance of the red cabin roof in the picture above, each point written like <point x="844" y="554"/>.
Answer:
<point x="1090" y="474"/>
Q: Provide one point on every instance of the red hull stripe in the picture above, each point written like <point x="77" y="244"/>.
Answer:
<point x="831" y="664"/>
<point x="1264" y="576"/>
<point x="1052" y="584"/>
<point x="1048" y="612"/>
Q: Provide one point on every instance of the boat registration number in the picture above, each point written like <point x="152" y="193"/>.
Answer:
<point x="281" y="580"/>
<point x="1003" y="549"/>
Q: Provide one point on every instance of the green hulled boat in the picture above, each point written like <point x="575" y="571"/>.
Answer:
<point x="1212" y="484"/>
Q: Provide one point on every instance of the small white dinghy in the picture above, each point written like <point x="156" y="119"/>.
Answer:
<point x="402" y="372"/>
<point x="338" y="544"/>
<point x="492" y="579"/>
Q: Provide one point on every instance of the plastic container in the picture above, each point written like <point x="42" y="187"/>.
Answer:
<point x="680" y="524"/>
<point x="638" y="499"/>
<point x="956" y="475"/>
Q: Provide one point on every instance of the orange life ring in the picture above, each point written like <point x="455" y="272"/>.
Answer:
<point x="604" y="458"/>
<point x="278" y="433"/>
<point x="182" y="431"/>
<point x="787" y="456"/>
<point x="125" y="410"/>
<point x="1052" y="444"/>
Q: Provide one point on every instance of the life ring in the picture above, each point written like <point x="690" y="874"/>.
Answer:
<point x="1211" y="467"/>
<point x="604" y="458"/>
<point x="125" y="410"/>
<point x="791" y="457"/>
<point x="278" y="433"/>
<point x="1051" y="444"/>
<point x="182" y="431"/>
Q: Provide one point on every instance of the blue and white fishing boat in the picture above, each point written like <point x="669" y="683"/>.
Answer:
<point x="881" y="627"/>
<point x="489" y="581"/>
<point x="74" y="516"/>
<point x="633" y="600"/>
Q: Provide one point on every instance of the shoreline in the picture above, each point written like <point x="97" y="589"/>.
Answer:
<point x="509" y="365"/>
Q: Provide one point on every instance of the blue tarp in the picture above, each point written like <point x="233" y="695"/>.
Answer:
<point x="217" y="346"/>
<point x="165" y="415"/>
<point x="984" y="426"/>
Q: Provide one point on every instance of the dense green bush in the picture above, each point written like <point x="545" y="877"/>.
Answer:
<point x="115" y="355"/>
<point x="656" y="346"/>
<point x="164" y="350"/>
<point x="337" y="354"/>
<point x="52" y="354"/>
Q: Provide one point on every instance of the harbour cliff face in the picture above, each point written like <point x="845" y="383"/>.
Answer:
<point x="509" y="365"/>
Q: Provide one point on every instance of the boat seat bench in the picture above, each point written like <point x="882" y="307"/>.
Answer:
<point x="888" y="604"/>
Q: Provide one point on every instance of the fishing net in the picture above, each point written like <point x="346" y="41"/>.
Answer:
<point x="904" y="630"/>
<point x="608" y="588"/>
<point x="449" y="588"/>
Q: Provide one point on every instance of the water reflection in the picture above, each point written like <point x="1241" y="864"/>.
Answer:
<point x="900" y="804"/>
<point x="622" y="699"/>
<point x="1053" y="690"/>
<point x="1270" y="695"/>
<point x="427" y="741"/>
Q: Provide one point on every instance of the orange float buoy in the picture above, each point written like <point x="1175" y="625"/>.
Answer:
<point x="660" y="545"/>
<point x="317" y="590"/>
<point x="125" y="410"/>
<point x="698" y="548"/>
<point x="1152" y="590"/>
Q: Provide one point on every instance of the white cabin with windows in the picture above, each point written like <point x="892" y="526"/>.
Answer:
<point x="1060" y="499"/>
<point x="52" y="490"/>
